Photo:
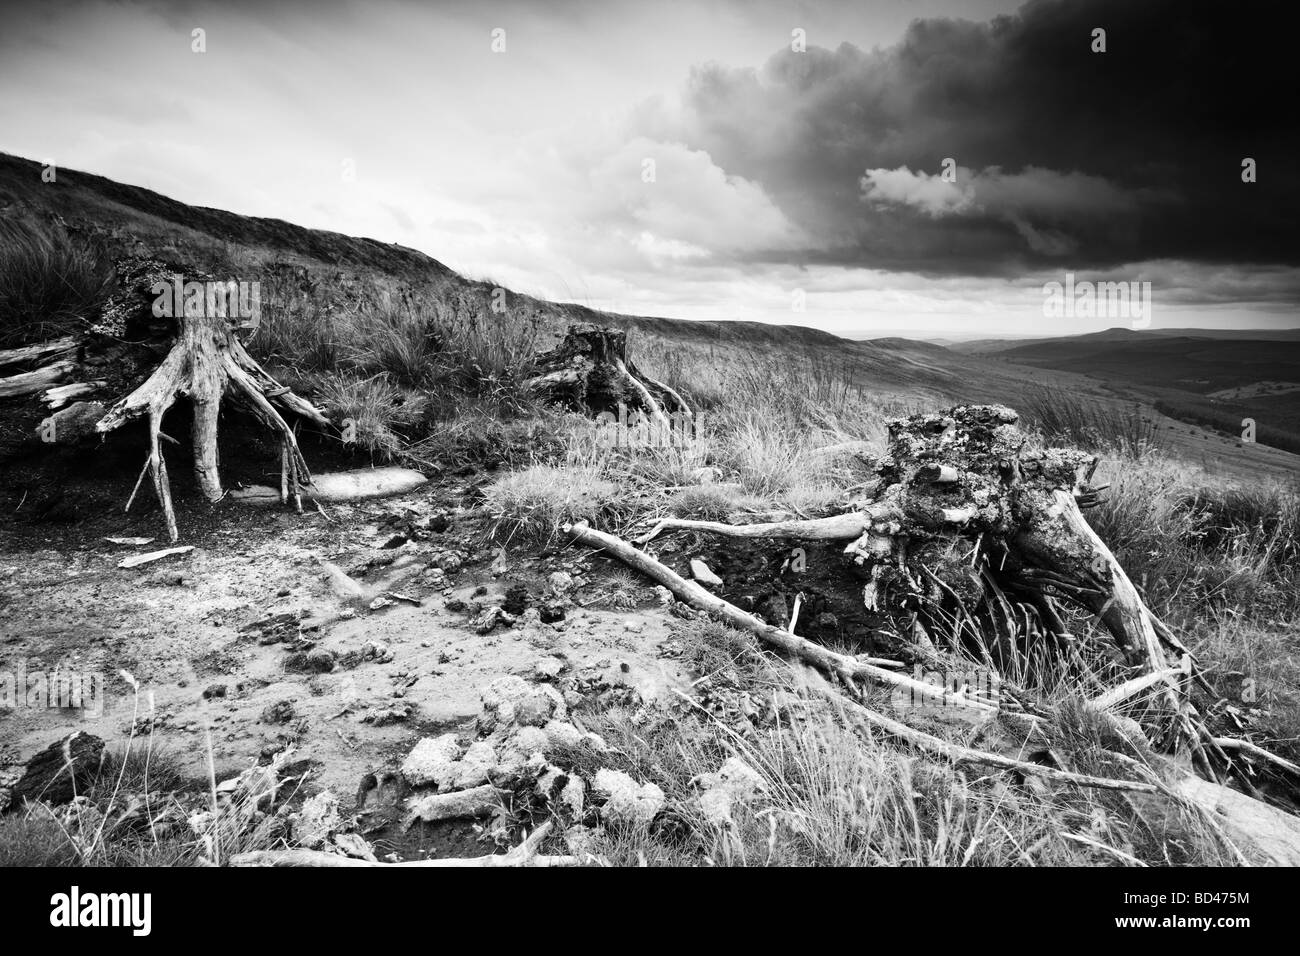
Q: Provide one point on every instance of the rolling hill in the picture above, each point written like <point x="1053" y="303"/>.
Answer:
<point x="1171" y="373"/>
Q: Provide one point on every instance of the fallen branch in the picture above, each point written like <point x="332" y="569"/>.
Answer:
<point x="25" y="383"/>
<point x="474" y="802"/>
<point x="961" y="754"/>
<point x="56" y="348"/>
<point x="1130" y="688"/>
<point x="843" y="527"/>
<point x="849" y="668"/>
<point x="1233" y="743"/>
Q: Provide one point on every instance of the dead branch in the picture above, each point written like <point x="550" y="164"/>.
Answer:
<point x="961" y="754"/>
<point x="850" y="668"/>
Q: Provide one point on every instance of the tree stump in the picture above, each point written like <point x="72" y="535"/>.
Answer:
<point x="964" y="514"/>
<point x="590" y="372"/>
<point x="196" y="354"/>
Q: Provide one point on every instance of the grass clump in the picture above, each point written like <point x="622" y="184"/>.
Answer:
<point x="50" y="283"/>
<point x="532" y="504"/>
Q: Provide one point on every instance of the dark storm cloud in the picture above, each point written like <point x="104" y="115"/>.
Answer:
<point x="1065" y="156"/>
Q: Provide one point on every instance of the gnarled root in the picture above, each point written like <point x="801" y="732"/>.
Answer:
<point x="204" y="362"/>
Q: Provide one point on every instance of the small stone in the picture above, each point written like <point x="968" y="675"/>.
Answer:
<point x="473" y="768"/>
<point x="700" y="572"/>
<point x="431" y="761"/>
<point x="549" y="668"/>
<point x="626" y="801"/>
<point x="560" y="733"/>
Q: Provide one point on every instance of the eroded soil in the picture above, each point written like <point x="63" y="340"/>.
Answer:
<point x="250" y="643"/>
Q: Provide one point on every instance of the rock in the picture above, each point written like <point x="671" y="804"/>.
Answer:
<point x="431" y="761"/>
<point x="560" y="583"/>
<point x="626" y="801"/>
<point x="564" y="790"/>
<point x="549" y="668"/>
<point x="60" y="771"/>
<point x="516" y="600"/>
<point x="500" y="700"/>
<point x="354" y="845"/>
<point x="309" y="662"/>
<point x="488" y="620"/>
<point x="700" y="572"/>
<point x="562" y="734"/>
<point x="663" y="596"/>
<point x="539" y="705"/>
<point x="342" y="585"/>
<point x="318" y="818"/>
<point x="734" y="782"/>
<point x="520" y="747"/>
<point x="473" y="768"/>
<point x="281" y="712"/>
<point x="214" y="691"/>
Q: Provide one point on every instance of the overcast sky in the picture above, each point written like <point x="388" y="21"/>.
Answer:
<point x="773" y="170"/>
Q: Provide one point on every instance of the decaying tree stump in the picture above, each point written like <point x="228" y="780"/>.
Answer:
<point x="194" y="353"/>
<point x="590" y="372"/>
<point x="964" y="514"/>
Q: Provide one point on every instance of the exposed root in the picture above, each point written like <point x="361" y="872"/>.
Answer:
<point x="205" y="363"/>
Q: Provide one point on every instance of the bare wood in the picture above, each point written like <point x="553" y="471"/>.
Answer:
<point x="1233" y="743"/>
<point x="1267" y="834"/>
<point x="26" y="383"/>
<point x="1122" y="610"/>
<point x="671" y="393"/>
<point x="1130" y="688"/>
<point x="60" y="395"/>
<point x="647" y="399"/>
<point x="474" y="802"/>
<point x="55" y="348"/>
<point x="842" y="527"/>
<point x="961" y="754"/>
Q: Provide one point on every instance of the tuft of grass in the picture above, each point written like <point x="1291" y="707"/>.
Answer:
<point x="832" y="793"/>
<point x="532" y="504"/>
<point x="1065" y="418"/>
<point x="50" y="284"/>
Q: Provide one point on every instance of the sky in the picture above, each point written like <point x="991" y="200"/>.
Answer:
<point x="877" y="167"/>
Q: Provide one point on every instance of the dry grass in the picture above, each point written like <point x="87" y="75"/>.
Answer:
<point x="50" y="283"/>
<point x="832" y="794"/>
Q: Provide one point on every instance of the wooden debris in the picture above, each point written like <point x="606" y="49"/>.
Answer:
<point x="474" y="802"/>
<point x="138" y="559"/>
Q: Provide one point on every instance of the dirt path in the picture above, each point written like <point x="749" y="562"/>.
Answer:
<point x="352" y="696"/>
